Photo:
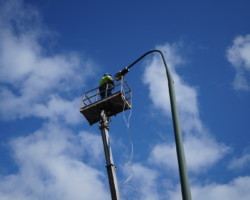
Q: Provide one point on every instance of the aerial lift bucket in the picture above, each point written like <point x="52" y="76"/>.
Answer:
<point x="119" y="101"/>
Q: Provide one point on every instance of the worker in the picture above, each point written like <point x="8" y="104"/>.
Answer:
<point x="106" y="85"/>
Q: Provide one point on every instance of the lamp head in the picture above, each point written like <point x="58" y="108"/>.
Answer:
<point x="120" y="74"/>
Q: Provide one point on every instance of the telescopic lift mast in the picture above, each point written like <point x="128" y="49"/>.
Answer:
<point x="95" y="109"/>
<point x="104" y="127"/>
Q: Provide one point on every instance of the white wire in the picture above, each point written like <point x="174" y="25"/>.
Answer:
<point x="127" y="122"/>
<point x="130" y="162"/>
<point x="130" y="112"/>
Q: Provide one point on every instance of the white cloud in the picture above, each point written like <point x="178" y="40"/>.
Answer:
<point x="239" y="56"/>
<point x="93" y="146"/>
<point x="50" y="167"/>
<point x="58" y="108"/>
<point x="54" y="108"/>
<point x="239" y="188"/>
<point x="149" y="184"/>
<point x="241" y="162"/>
<point x="201" y="153"/>
<point x="143" y="184"/>
<point x="186" y="96"/>
<point x="30" y="77"/>
<point x="202" y="150"/>
<point x="54" y="162"/>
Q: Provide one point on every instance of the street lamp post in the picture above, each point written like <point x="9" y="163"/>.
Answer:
<point x="185" y="188"/>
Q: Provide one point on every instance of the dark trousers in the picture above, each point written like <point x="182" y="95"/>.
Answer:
<point x="105" y="90"/>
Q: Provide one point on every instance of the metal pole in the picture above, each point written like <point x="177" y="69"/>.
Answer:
<point x="104" y="127"/>
<point x="185" y="188"/>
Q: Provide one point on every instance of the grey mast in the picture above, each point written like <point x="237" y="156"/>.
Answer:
<point x="95" y="109"/>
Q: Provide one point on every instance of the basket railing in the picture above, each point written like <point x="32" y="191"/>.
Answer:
<point x="93" y="95"/>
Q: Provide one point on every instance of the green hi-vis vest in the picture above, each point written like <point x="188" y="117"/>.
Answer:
<point x="105" y="79"/>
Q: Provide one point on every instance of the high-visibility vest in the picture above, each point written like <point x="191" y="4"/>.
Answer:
<point x="105" y="79"/>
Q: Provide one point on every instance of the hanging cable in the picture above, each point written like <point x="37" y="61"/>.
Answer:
<point x="130" y="163"/>
<point x="127" y="122"/>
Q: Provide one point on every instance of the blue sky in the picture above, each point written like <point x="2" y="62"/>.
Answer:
<point x="53" y="51"/>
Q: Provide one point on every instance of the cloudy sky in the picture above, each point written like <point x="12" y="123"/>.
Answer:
<point x="53" y="51"/>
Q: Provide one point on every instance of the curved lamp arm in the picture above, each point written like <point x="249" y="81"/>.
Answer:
<point x="126" y="69"/>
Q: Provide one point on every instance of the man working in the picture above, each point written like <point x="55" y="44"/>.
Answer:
<point x="106" y="85"/>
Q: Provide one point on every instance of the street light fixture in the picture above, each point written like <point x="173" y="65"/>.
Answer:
<point x="185" y="188"/>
